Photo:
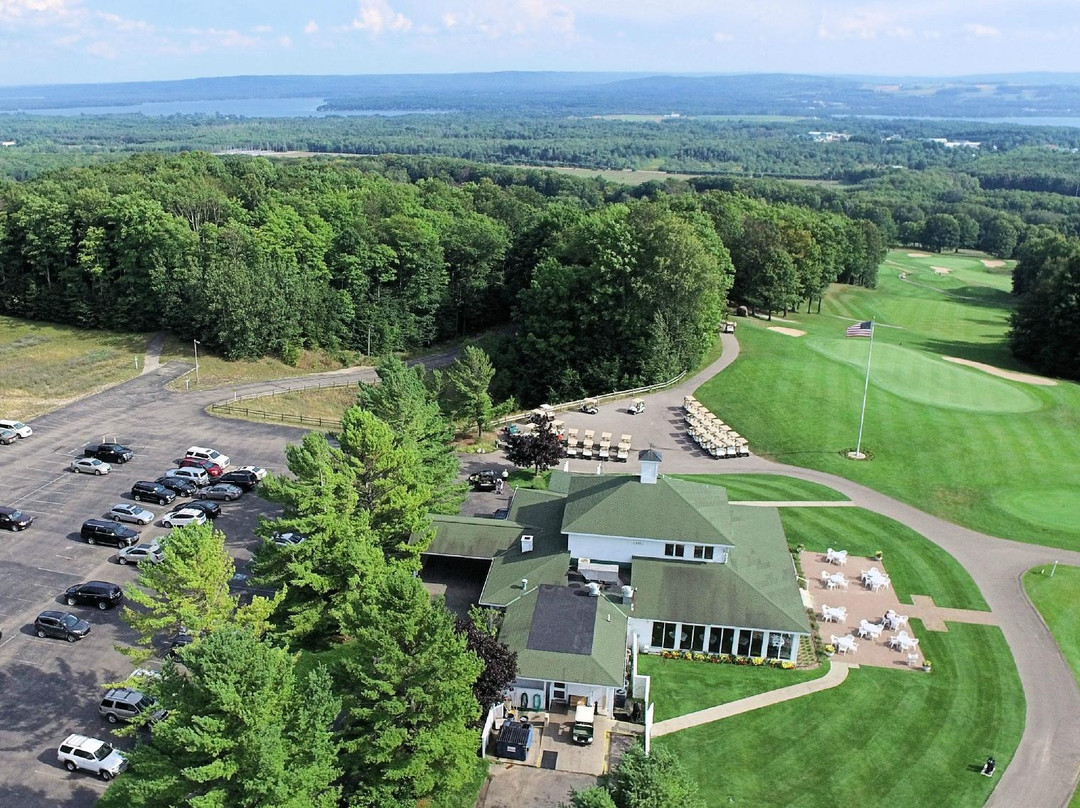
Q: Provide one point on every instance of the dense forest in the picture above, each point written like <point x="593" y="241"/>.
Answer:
<point x="250" y="256"/>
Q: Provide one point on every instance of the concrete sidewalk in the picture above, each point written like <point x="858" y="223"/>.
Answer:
<point x="836" y="675"/>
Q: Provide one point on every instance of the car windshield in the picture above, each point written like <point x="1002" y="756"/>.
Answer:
<point x="69" y="620"/>
<point x="145" y="703"/>
<point x="15" y="515"/>
<point x="95" y="462"/>
<point x="18" y="425"/>
<point x="103" y="751"/>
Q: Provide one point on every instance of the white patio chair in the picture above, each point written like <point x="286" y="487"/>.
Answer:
<point x="840" y="557"/>
<point x="829" y="555"/>
<point x="840" y="580"/>
<point x="840" y="613"/>
<point x="827" y="615"/>
<point x="899" y="638"/>
<point x="912" y="660"/>
<point x="910" y="644"/>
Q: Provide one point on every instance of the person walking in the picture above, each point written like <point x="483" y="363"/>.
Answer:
<point x="499" y="486"/>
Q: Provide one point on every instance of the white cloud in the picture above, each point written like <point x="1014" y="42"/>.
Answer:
<point x="285" y="41"/>
<point x="720" y="36"/>
<point x="36" y="10"/>
<point x="980" y="30"/>
<point x="449" y="19"/>
<point x="376" y="16"/>
<point x="105" y="50"/>
<point x="311" y="28"/>
<point x="263" y="29"/>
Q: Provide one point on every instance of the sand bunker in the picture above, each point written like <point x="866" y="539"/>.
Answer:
<point x="941" y="270"/>
<point x="918" y="255"/>
<point x="1026" y="378"/>
<point x="986" y="262"/>
<point x="790" y="332"/>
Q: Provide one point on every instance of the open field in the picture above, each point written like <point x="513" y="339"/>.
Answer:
<point x="917" y="566"/>
<point x="217" y="372"/>
<point x="327" y="402"/>
<point x="681" y="686"/>
<point x="883" y="737"/>
<point x="628" y="177"/>
<point x="1058" y="601"/>
<point x="970" y="447"/>
<point x="767" y="488"/>
<point x="44" y="365"/>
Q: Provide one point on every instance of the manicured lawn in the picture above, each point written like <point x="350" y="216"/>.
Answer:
<point x="883" y="737"/>
<point x="217" y="372"/>
<point x="43" y="366"/>
<point x="767" y="488"/>
<point x="973" y="448"/>
<point x="524" y="478"/>
<point x="1058" y="601"/>
<point x="680" y="686"/>
<point x="329" y="403"/>
<point x="915" y="565"/>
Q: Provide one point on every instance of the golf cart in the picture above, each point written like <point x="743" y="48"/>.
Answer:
<point x="545" y="412"/>
<point x="584" y="716"/>
<point x="483" y="480"/>
<point x="727" y="327"/>
<point x="590" y="406"/>
<point x="636" y="406"/>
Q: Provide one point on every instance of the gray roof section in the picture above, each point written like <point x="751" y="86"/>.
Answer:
<point x="564" y="621"/>
<point x="650" y="455"/>
<point x="472" y="536"/>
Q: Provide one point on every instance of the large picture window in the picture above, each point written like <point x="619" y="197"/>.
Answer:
<point x="664" y="635"/>
<point x="692" y="638"/>
<point x="757" y="643"/>
<point x="721" y="640"/>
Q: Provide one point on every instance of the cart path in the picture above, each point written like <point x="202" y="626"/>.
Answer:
<point x="796" y="503"/>
<point x="152" y="358"/>
<point x="836" y="675"/>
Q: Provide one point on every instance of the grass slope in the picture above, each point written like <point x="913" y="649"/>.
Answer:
<point x="1058" y="601"/>
<point x="680" y="686"/>
<point x="972" y="448"/>
<point x="43" y="366"/>
<point x="767" y="488"/>
<point x="916" y="565"/>
<point x="884" y="737"/>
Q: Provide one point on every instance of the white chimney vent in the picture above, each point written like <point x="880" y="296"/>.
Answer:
<point x="627" y="594"/>
<point x="524" y="584"/>
<point x="594" y="589"/>
<point x="527" y="543"/>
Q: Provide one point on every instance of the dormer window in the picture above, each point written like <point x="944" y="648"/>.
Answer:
<point x="674" y="550"/>
<point x="704" y="552"/>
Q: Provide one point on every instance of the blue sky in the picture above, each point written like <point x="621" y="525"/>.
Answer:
<point x="64" y="41"/>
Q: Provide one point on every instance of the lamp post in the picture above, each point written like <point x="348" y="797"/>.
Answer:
<point x="195" y="344"/>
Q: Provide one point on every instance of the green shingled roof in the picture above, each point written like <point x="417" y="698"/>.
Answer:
<point x="472" y="536"/>
<point x="604" y="665"/>
<point x="755" y="589"/>
<point x="669" y="510"/>
<point x="538" y="513"/>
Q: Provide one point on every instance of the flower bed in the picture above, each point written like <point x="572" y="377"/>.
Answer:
<point x="728" y="659"/>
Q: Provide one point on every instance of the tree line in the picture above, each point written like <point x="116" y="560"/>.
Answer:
<point x="603" y="289"/>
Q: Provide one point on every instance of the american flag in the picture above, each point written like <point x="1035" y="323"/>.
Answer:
<point x="861" y="329"/>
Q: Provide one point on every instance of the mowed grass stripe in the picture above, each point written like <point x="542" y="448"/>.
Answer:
<point x="767" y="488"/>
<point x="954" y="445"/>
<point x="916" y="565"/>
<point x="920" y="737"/>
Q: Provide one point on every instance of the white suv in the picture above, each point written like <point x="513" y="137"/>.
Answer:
<point x="92" y="755"/>
<point x="195" y="475"/>
<point x="213" y="455"/>
<point x="18" y="427"/>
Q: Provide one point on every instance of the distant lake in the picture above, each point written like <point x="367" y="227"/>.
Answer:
<point x="240" y="107"/>
<point x="1028" y="121"/>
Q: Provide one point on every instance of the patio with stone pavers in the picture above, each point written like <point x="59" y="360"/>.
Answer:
<point x="864" y="604"/>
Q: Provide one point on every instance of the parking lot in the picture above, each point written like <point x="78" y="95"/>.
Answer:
<point x="51" y="688"/>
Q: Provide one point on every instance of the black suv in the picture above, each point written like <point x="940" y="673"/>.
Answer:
<point x="94" y="593"/>
<point x="62" y="625"/>
<point x="211" y="509"/>
<point x="109" y="452"/>
<point x="182" y="487"/>
<point x="244" y="480"/>
<point x="14" y="519"/>
<point x="104" y="531"/>
<point x="144" y="491"/>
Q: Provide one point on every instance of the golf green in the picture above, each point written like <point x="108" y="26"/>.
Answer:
<point x="926" y="379"/>
<point x="1052" y="507"/>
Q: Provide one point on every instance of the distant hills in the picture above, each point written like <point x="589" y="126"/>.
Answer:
<point x="1016" y="95"/>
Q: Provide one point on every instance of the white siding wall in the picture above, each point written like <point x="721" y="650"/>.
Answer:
<point x="622" y="549"/>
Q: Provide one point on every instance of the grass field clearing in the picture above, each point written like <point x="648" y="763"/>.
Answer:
<point x="681" y="686"/>
<point x="970" y="447"/>
<point x="767" y="488"/>
<point x="44" y="366"/>
<point x="897" y="738"/>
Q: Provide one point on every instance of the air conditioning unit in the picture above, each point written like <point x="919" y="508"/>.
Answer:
<point x="527" y="543"/>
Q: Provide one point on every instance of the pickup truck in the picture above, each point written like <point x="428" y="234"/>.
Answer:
<point x="584" y="717"/>
<point x="109" y="452"/>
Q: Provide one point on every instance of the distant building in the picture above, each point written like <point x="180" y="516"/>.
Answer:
<point x="956" y="144"/>
<point x="828" y="137"/>
<point x="7" y="142"/>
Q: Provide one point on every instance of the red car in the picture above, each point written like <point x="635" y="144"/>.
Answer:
<point x="212" y="469"/>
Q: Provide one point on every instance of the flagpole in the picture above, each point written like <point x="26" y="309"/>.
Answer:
<point x="866" y="389"/>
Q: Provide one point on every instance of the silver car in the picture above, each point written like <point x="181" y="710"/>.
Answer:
<point x="90" y="465"/>
<point x="125" y="512"/>
<point x="223" y="491"/>
<point x="138" y="553"/>
<point x="8" y="436"/>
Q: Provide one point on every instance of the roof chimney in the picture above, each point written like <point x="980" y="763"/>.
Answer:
<point x="650" y="460"/>
<point x="527" y="543"/>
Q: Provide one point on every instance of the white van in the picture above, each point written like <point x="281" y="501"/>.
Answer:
<point x="204" y="453"/>
<point x="196" y="475"/>
<point x="18" y="427"/>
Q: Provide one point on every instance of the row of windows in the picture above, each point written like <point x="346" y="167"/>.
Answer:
<point x="721" y="640"/>
<point x="703" y="552"/>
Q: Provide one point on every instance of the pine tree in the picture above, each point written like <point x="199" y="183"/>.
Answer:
<point x="243" y="730"/>
<point x="470" y="378"/>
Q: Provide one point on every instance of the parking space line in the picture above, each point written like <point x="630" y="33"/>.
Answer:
<point x="57" y="572"/>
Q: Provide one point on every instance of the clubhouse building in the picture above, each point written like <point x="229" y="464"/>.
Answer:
<point x="599" y="563"/>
